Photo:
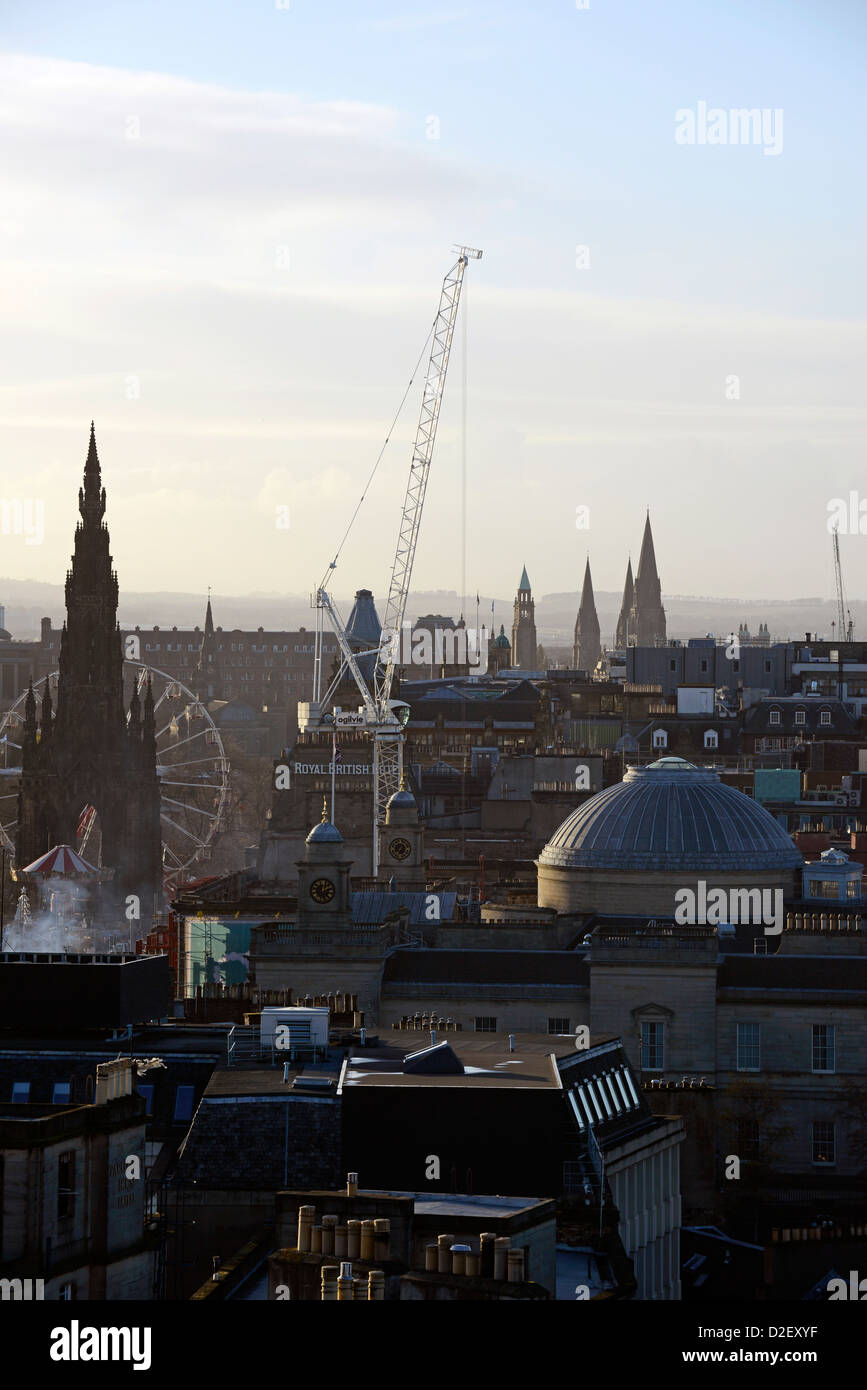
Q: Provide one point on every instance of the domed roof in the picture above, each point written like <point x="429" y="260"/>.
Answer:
<point x="502" y="640"/>
<point x="670" y="816"/>
<point x="324" y="833"/>
<point x="401" y="798"/>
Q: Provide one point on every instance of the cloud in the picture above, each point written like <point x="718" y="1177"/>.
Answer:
<point x="237" y="284"/>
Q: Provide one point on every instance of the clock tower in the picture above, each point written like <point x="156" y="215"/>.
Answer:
<point x="323" y="879"/>
<point x="403" y="841"/>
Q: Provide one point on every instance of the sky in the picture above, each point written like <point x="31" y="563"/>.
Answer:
<point x="223" y="232"/>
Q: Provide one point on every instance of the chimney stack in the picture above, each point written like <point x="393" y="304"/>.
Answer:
<point x="305" y="1228"/>
<point x="444" y="1261"/>
<point x="382" y="1238"/>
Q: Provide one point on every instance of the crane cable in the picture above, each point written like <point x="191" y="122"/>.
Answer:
<point x="333" y="564"/>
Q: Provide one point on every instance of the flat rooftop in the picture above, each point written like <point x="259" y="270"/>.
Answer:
<point x="268" y="1081"/>
<point x="487" y="1060"/>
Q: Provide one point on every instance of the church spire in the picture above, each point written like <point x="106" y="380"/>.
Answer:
<point x="647" y="619"/>
<point x="621" y="638"/>
<point x="209" y="617"/>
<point x="46" y="710"/>
<point x="587" y="648"/>
<point x="647" y="559"/>
<point x="91" y="497"/>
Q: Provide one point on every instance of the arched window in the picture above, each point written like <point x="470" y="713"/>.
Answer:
<point x="660" y="738"/>
<point x="711" y="738"/>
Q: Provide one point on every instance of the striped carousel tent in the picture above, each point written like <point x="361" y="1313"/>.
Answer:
<point x="60" y="860"/>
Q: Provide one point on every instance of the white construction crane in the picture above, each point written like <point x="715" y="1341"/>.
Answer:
<point x="382" y="717"/>
<point x="845" y="626"/>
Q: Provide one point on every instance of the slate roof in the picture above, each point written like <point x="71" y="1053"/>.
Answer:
<point x="375" y="906"/>
<point x="445" y="967"/>
<point x="671" y="816"/>
<point x="817" y="973"/>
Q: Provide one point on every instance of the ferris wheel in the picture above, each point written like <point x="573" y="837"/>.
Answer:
<point x="192" y="768"/>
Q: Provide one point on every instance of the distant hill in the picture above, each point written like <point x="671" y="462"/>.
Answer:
<point x="27" y="601"/>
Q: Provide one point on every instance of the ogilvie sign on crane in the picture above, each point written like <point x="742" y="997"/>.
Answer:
<point x="383" y="717"/>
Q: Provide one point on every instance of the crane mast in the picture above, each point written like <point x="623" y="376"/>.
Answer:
<point x="380" y="717"/>
<point x="844" y="620"/>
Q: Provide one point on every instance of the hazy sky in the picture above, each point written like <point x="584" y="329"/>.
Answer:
<point x="223" y="230"/>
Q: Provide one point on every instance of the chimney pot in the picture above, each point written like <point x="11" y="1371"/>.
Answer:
<point x="444" y="1244"/>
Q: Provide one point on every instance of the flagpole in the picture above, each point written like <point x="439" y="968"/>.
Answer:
<point x="333" y="769"/>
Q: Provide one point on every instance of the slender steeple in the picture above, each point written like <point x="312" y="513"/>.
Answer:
<point x="587" y="648"/>
<point x="647" y="621"/>
<point x="91" y="497"/>
<point x="87" y="755"/>
<point x="90" y="686"/>
<point x="621" y="638"/>
<point x="206" y="677"/>
<point x="524" y="626"/>
<point x="46" y="721"/>
<point x="28" y="746"/>
<point x="148" y="726"/>
<point x="134" y="724"/>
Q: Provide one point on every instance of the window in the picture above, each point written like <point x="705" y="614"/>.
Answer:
<point x="652" y="1046"/>
<point x="612" y="1091"/>
<point x="66" y="1185"/>
<point x="61" y="1093"/>
<point x="672" y="664"/>
<point x="825" y="716"/>
<point x="559" y="1025"/>
<point x="66" y="1293"/>
<point x="148" y="1093"/>
<point x="767" y="668"/>
<point x="749" y="1046"/>
<point x="824" y="1047"/>
<point x="852" y="888"/>
<point x="824" y="1142"/>
<point x="824" y="888"/>
<point x="660" y="738"/>
<point x="800" y="716"/>
<point x="711" y="738"/>
<point x="774" y="716"/>
<point x="184" y="1102"/>
<point x="703" y="666"/>
<point x="20" y="1092"/>
<point x="486" y="1025"/>
<point x="748" y="1139"/>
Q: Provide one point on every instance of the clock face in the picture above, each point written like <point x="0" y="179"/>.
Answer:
<point x="400" y="848"/>
<point x="322" y="890"/>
